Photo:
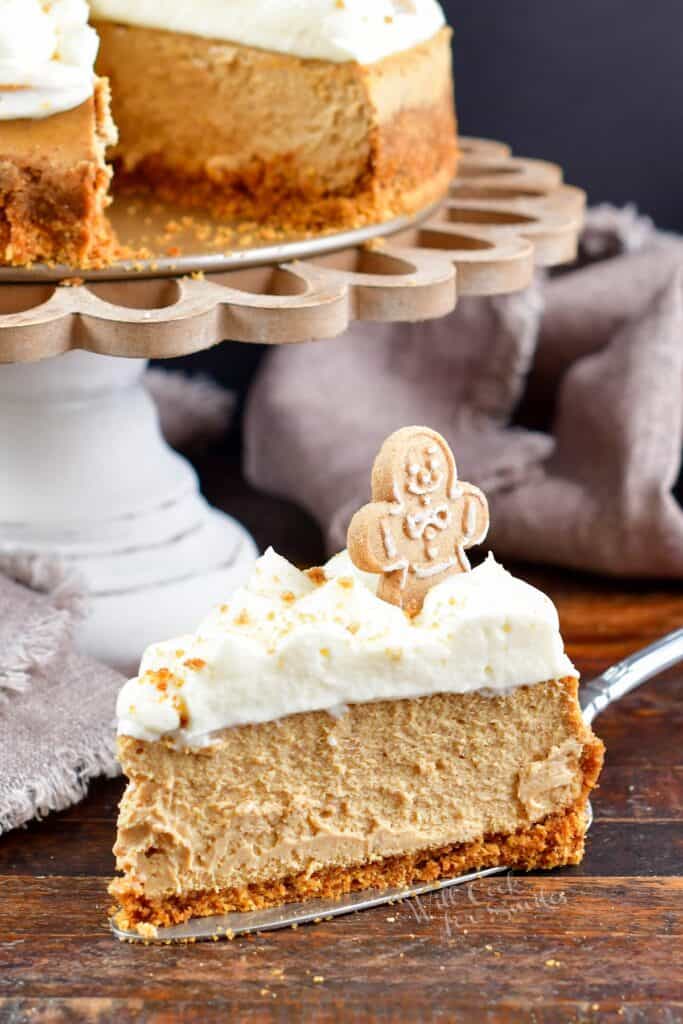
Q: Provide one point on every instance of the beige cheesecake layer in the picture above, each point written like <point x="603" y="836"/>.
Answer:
<point x="391" y="791"/>
<point x="257" y="134"/>
<point x="54" y="185"/>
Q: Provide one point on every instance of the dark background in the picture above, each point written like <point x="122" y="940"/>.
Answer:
<point x="595" y="85"/>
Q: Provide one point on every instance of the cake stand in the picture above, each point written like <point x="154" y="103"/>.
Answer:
<point x="84" y="470"/>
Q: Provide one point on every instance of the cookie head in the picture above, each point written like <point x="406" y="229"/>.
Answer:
<point x="414" y="464"/>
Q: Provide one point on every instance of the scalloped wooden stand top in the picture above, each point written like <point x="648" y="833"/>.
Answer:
<point x="503" y="217"/>
<point x="421" y="520"/>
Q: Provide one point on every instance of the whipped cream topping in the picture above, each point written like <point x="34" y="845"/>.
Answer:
<point x="291" y="642"/>
<point x="47" y="55"/>
<point x="335" y="30"/>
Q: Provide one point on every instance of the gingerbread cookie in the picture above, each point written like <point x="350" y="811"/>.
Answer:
<point x="421" y="520"/>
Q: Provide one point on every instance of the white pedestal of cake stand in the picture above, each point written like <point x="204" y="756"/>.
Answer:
<point x="84" y="470"/>
<point x="88" y="476"/>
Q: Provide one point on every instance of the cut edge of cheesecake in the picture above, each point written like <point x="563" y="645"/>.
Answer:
<point x="303" y="146"/>
<point x="54" y="186"/>
<point x="282" y="145"/>
<point x="556" y="839"/>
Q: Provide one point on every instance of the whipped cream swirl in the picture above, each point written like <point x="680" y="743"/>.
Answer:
<point x="47" y="55"/>
<point x="291" y="642"/>
<point x="336" y="30"/>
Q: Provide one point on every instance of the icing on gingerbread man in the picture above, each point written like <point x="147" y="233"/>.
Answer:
<point x="421" y="520"/>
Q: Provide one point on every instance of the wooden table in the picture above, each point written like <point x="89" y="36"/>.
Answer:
<point x="600" y="942"/>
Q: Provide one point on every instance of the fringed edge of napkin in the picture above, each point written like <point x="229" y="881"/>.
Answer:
<point x="46" y="634"/>
<point x="611" y="230"/>
<point x="58" y="788"/>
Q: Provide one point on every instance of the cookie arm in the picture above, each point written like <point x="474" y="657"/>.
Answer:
<point x="370" y="538"/>
<point x="475" y="516"/>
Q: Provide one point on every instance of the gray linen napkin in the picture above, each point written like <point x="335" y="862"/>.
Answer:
<point x="56" y="706"/>
<point x="602" y="345"/>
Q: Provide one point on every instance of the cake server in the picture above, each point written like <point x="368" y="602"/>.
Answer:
<point x="595" y="697"/>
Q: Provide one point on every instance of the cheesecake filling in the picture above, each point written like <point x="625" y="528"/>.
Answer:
<point x="333" y="30"/>
<point x="313" y="792"/>
<point x="47" y="56"/>
<point x="291" y="642"/>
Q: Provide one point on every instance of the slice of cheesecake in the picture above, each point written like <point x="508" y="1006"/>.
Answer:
<point x="311" y="739"/>
<point x="334" y="116"/>
<point x="54" y="185"/>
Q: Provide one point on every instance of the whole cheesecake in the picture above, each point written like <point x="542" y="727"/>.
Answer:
<point x="304" y="117"/>
<point x="311" y="739"/>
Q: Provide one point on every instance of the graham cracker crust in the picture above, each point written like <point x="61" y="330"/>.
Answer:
<point x="556" y="841"/>
<point x="55" y="218"/>
<point x="277" y="198"/>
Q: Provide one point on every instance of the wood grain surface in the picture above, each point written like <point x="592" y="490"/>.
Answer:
<point x="602" y="942"/>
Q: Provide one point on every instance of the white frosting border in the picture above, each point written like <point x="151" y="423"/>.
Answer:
<point x="47" y="56"/>
<point x="350" y="30"/>
<point x="284" y="645"/>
